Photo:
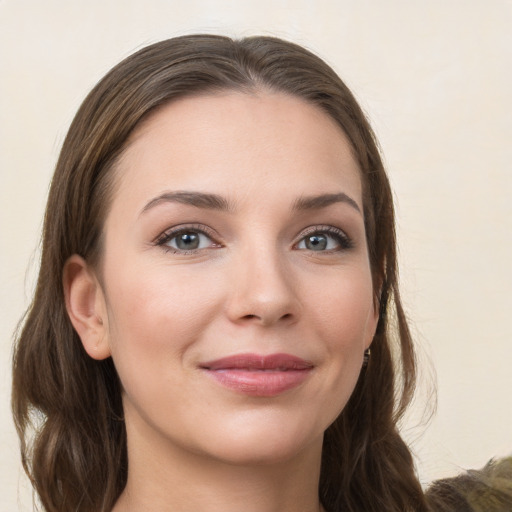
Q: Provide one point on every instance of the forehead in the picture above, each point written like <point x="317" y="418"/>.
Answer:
<point x="263" y="144"/>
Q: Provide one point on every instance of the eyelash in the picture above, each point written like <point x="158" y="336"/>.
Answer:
<point x="344" y="241"/>
<point x="169" y="235"/>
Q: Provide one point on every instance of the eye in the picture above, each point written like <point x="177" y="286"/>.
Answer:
<point x="325" y="239"/>
<point x="185" y="240"/>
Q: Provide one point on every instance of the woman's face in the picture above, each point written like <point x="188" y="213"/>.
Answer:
<point x="236" y="278"/>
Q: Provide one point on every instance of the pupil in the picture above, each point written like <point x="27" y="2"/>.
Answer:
<point x="316" y="242"/>
<point x="188" y="241"/>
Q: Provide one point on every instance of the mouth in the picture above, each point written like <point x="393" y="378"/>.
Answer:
<point x="259" y="375"/>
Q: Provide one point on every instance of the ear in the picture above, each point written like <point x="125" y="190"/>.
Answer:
<point x="371" y="325"/>
<point x="86" y="307"/>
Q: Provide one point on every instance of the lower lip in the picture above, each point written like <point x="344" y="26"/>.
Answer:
<point x="260" y="382"/>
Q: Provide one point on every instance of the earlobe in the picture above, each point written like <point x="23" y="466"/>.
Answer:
<point x="85" y="305"/>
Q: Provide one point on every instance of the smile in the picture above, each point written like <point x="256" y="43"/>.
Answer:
<point x="258" y="375"/>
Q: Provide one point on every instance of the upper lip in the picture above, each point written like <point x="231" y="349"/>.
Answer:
<point x="254" y="362"/>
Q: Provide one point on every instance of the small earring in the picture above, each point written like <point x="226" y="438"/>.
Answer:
<point x="366" y="357"/>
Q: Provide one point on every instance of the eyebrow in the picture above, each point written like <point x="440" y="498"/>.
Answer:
<point x="324" y="200"/>
<point x="217" y="202"/>
<point x="197" y="199"/>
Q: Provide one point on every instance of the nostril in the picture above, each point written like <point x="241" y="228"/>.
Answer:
<point x="286" y="316"/>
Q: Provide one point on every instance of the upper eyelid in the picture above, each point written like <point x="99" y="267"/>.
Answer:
<point x="170" y="233"/>
<point x="322" y="229"/>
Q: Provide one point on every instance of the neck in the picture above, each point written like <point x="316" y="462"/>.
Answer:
<point x="168" y="478"/>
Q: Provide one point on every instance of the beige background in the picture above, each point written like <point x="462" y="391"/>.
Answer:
<point x="435" y="78"/>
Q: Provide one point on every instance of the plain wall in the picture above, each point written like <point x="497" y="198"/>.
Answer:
<point x="435" y="78"/>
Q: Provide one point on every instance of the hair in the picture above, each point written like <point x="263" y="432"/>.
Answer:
<point x="67" y="407"/>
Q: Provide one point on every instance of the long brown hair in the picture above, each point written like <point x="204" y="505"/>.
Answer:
<point x="67" y="406"/>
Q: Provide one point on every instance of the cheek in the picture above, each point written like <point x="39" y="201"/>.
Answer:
<point x="344" y="309"/>
<point x="344" y="320"/>
<point x="155" y="314"/>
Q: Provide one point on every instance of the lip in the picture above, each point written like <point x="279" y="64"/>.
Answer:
<point x="259" y="375"/>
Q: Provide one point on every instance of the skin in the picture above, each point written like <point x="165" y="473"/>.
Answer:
<point x="255" y="284"/>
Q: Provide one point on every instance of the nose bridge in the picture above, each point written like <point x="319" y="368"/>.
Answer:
<point x="263" y="288"/>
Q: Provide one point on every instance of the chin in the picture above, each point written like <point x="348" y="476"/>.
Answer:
<point x="262" y="455"/>
<point x="274" y="444"/>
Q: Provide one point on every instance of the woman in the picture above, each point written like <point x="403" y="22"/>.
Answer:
<point x="218" y="257"/>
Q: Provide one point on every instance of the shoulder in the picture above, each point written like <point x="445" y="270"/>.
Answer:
<point x="486" y="490"/>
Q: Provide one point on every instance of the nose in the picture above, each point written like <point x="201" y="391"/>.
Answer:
<point x="263" y="290"/>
